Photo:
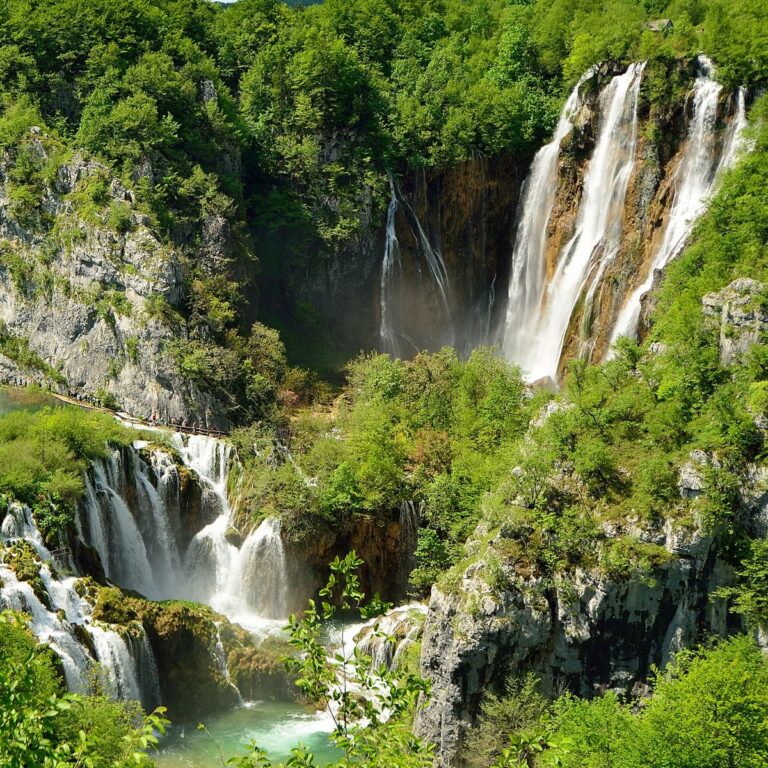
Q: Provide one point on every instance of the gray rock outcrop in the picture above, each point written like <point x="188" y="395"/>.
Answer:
<point x="742" y="316"/>
<point x="587" y="631"/>
<point x="93" y="302"/>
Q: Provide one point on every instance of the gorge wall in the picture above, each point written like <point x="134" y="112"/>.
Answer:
<point x="459" y="257"/>
<point x="587" y="632"/>
<point x="88" y="306"/>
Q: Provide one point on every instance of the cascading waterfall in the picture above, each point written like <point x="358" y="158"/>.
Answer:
<point x="146" y="668"/>
<point x="119" y="677"/>
<point x="410" y="517"/>
<point x="117" y="537"/>
<point x="693" y="183"/>
<point x="246" y="584"/>
<point x="219" y="654"/>
<point x="129" y="514"/>
<point x="128" y="673"/>
<point x="387" y="637"/>
<point x="527" y="283"/>
<point x="139" y="547"/>
<point x="260" y="573"/>
<point x="160" y="532"/>
<point x="595" y="242"/>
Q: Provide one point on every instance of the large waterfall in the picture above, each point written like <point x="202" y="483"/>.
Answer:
<point x="584" y="258"/>
<point x="528" y="279"/>
<point x="552" y="287"/>
<point x="692" y="184"/>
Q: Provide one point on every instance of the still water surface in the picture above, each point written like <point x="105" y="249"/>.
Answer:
<point x="275" y="727"/>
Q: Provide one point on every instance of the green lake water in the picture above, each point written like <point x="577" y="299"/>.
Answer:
<point x="18" y="399"/>
<point x="275" y="727"/>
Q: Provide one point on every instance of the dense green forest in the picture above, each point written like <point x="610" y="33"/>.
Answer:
<point x="277" y="119"/>
<point x="270" y="116"/>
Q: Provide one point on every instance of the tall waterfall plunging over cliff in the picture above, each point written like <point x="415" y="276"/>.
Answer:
<point x="529" y="267"/>
<point x="693" y="182"/>
<point x="535" y="338"/>
<point x="576" y="298"/>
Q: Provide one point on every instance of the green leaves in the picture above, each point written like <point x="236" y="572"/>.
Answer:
<point x="41" y="727"/>
<point x="370" y="708"/>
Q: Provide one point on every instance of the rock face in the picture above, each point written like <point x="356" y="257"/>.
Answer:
<point x="740" y="313"/>
<point x="466" y="213"/>
<point x="588" y="632"/>
<point x="93" y="298"/>
<point x="385" y="546"/>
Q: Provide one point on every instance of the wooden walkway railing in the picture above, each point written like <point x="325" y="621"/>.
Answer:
<point x="186" y="429"/>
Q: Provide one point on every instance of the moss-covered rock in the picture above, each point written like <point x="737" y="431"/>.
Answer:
<point x="259" y="671"/>
<point x="22" y="559"/>
<point x="202" y="658"/>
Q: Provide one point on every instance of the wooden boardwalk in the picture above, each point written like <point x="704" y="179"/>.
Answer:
<point x="187" y="430"/>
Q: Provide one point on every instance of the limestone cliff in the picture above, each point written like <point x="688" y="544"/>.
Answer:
<point x="587" y="632"/>
<point x="90" y="296"/>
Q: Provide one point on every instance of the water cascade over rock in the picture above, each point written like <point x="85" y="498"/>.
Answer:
<point x="592" y="233"/>
<point x="402" y="283"/>
<point x="595" y="241"/>
<point x="62" y="618"/>
<point x="693" y="182"/>
<point x="131" y="517"/>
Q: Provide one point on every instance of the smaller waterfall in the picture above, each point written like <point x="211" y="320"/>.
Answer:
<point x="127" y="665"/>
<point x="210" y="559"/>
<point x="119" y="676"/>
<point x="410" y="517"/>
<point x="47" y="627"/>
<point x="52" y="623"/>
<point x="692" y="184"/>
<point x="387" y="637"/>
<point x="146" y="669"/>
<point x="139" y="543"/>
<point x="220" y="656"/>
<point x="249" y="584"/>
<point x="158" y="531"/>
<point x="118" y="539"/>
<point x="389" y="264"/>
<point x="393" y="333"/>
<point x="261" y="574"/>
